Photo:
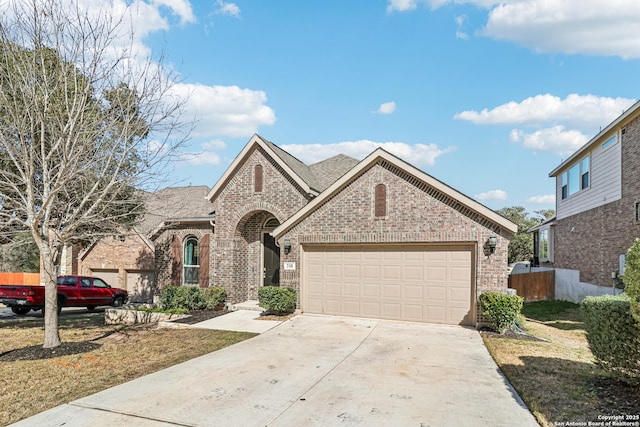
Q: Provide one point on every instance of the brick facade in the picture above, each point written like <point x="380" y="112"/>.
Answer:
<point x="240" y="214"/>
<point x="122" y="254"/>
<point x="415" y="213"/>
<point x="592" y="241"/>
<point x="168" y="268"/>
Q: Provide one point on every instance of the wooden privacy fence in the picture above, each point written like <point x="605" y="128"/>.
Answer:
<point x="31" y="279"/>
<point x="535" y="286"/>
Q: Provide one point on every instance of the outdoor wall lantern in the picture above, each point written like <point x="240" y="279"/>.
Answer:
<point x="287" y="245"/>
<point x="493" y="242"/>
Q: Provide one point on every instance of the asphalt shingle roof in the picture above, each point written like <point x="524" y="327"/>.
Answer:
<point x="318" y="176"/>
<point x="172" y="203"/>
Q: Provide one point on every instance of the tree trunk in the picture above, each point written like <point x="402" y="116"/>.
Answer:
<point x="48" y="277"/>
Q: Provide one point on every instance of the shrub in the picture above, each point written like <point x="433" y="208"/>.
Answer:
<point x="632" y="278"/>
<point x="214" y="296"/>
<point x="501" y="309"/>
<point x="613" y="335"/>
<point x="187" y="297"/>
<point x="276" y="299"/>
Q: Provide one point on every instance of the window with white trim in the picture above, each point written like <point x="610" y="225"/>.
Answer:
<point x="577" y="178"/>
<point x="191" y="261"/>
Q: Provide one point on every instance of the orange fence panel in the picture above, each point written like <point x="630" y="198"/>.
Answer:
<point x="29" y="279"/>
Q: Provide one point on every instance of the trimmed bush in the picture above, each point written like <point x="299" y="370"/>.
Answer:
<point x="613" y="335"/>
<point x="192" y="297"/>
<point x="277" y="300"/>
<point x="501" y="309"/>
<point x="187" y="297"/>
<point x="631" y="278"/>
<point x="214" y="296"/>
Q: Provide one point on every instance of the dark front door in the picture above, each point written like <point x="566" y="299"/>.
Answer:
<point x="271" y="263"/>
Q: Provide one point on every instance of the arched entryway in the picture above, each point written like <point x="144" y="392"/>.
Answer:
<point x="258" y="256"/>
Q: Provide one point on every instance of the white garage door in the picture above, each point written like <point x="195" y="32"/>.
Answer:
<point x="110" y="276"/>
<point x="403" y="282"/>
<point x="140" y="286"/>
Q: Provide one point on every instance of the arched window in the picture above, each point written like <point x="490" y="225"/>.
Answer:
<point x="271" y="223"/>
<point x="191" y="261"/>
<point x="257" y="179"/>
<point x="380" y="205"/>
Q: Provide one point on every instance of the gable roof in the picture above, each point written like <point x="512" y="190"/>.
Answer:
<point x="622" y="119"/>
<point x="371" y="159"/>
<point x="312" y="179"/>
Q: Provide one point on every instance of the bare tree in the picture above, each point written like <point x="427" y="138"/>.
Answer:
<point x="84" y="125"/>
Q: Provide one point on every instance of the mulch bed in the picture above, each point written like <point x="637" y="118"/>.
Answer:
<point x="196" y="316"/>
<point x="36" y="352"/>
<point x="617" y="396"/>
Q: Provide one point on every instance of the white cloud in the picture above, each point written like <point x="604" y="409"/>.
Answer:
<point x="418" y="154"/>
<point x="229" y="9"/>
<point x="492" y="195"/>
<point x="555" y="139"/>
<point x="589" y="27"/>
<point x="460" y="33"/>
<point x="401" y="5"/>
<point x="547" y="199"/>
<point x="225" y="110"/>
<point x="181" y="8"/>
<point x="386" y="108"/>
<point x="589" y="110"/>
<point x="201" y="158"/>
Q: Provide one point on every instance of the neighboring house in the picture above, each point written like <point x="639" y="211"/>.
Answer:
<point x="372" y="238"/>
<point x="597" y="211"/>
<point x="128" y="260"/>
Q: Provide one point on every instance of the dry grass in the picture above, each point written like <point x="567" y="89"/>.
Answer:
<point x="558" y="379"/>
<point x="110" y="355"/>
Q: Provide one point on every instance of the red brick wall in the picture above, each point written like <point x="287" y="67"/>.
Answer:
<point x="592" y="241"/>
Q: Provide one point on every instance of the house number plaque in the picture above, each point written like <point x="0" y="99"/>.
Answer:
<point x="289" y="265"/>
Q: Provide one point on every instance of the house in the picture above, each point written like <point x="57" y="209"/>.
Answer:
<point x="597" y="211"/>
<point x="128" y="260"/>
<point x="372" y="238"/>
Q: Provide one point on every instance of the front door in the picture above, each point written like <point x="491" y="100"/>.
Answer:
<point x="271" y="262"/>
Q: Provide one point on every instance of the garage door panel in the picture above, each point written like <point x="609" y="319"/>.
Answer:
<point x="391" y="311"/>
<point x="393" y="291"/>
<point x="371" y="290"/>
<point x="351" y="289"/>
<point x="417" y="283"/>
<point x="413" y="292"/>
<point x="413" y="273"/>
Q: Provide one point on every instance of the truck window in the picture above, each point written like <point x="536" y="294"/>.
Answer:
<point x="70" y="281"/>
<point x="86" y="283"/>
<point x="99" y="283"/>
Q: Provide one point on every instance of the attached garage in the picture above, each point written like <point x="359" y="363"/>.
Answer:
<point x="388" y="241"/>
<point x="423" y="283"/>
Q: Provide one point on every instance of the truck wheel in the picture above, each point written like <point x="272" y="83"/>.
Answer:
<point x="91" y="307"/>
<point x="118" y="301"/>
<point x="20" y="311"/>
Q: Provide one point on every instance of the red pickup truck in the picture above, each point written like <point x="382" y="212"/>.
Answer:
<point x="73" y="291"/>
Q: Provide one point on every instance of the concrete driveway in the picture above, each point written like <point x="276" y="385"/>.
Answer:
<point x="317" y="371"/>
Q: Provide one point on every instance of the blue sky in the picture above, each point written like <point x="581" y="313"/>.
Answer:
<point x="485" y="96"/>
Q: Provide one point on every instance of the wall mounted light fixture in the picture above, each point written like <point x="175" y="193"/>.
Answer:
<point x="287" y="245"/>
<point x="493" y="242"/>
